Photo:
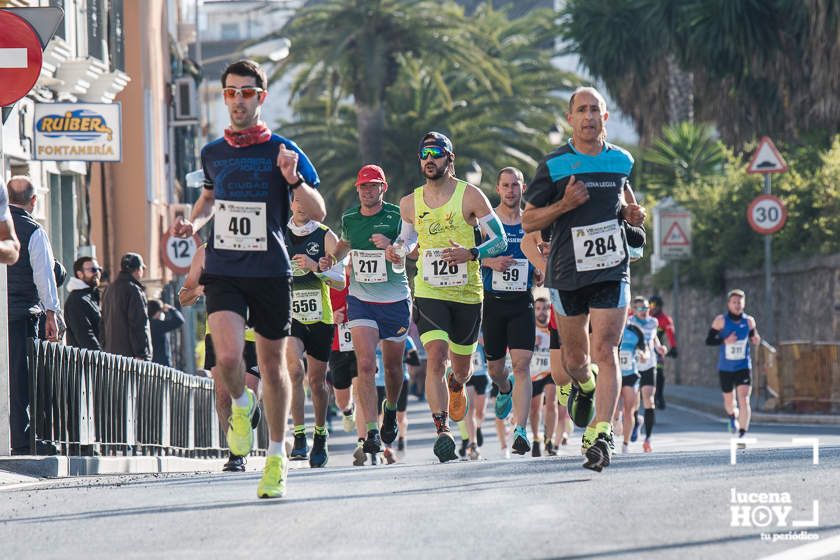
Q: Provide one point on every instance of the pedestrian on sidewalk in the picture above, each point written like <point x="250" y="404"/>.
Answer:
<point x="163" y="319"/>
<point x="125" y="319"/>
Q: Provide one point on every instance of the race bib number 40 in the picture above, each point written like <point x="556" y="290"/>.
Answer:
<point x="598" y="246"/>
<point x="369" y="266"/>
<point x="240" y="226"/>
<point x="306" y="306"/>
<point x="514" y="279"/>
<point x="439" y="273"/>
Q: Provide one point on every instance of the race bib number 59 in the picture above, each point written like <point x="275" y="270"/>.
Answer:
<point x="598" y="246"/>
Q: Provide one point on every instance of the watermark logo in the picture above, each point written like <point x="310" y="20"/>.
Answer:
<point x="768" y="510"/>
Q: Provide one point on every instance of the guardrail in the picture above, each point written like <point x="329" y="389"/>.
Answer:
<point x="90" y="403"/>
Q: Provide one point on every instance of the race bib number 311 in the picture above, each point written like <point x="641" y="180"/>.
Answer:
<point x="598" y="246"/>
<point x="439" y="273"/>
<point x="240" y="226"/>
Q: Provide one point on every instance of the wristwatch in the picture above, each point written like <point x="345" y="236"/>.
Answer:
<point x="296" y="184"/>
<point x="474" y="253"/>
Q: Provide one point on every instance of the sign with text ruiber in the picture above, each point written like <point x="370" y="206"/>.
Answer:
<point x="78" y="131"/>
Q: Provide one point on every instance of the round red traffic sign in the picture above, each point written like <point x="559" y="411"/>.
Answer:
<point x="20" y="58"/>
<point x="178" y="253"/>
<point x="766" y="214"/>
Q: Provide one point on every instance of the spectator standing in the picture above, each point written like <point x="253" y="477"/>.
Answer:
<point x="125" y="320"/>
<point x="9" y="245"/>
<point x="81" y="308"/>
<point x="163" y="318"/>
<point x="32" y="296"/>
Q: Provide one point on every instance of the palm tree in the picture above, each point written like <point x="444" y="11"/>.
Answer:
<point x="683" y="153"/>
<point x="353" y="48"/>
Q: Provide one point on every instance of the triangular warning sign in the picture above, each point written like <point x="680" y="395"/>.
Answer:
<point x="767" y="158"/>
<point x="675" y="236"/>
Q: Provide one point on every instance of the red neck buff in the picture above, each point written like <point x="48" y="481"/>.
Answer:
<point x="257" y="134"/>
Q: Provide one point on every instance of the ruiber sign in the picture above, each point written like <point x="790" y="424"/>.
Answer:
<point x="78" y="131"/>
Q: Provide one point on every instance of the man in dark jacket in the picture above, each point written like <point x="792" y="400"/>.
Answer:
<point x="163" y="318"/>
<point x="125" y="321"/>
<point x="81" y="309"/>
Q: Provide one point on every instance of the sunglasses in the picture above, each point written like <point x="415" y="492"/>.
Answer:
<point x="93" y="269"/>
<point x="247" y="92"/>
<point x="640" y="308"/>
<point x="434" y="151"/>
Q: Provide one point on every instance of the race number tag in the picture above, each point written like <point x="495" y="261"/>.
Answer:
<point x="514" y="279"/>
<point x="240" y="226"/>
<point x="540" y="361"/>
<point x="736" y="351"/>
<point x="306" y="306"/>
<point x="369" y="266"/>
<point x="625" y="360"/>
<point x="345" y="341"/>
<point x="650" y="362"/>
<point x="439" y="273"/>
<point x="598" y="246"/>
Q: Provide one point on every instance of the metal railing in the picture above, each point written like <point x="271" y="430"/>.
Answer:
<point x="88" y="403"/>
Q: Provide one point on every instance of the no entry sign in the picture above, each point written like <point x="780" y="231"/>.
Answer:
<point x="20" y="58"/>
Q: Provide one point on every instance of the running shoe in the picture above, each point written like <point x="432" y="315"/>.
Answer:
<point x="733" y="425"/>
<point x="240" y="434"/>
<point x="389" y="456"/>
<point x="463" y="451"/>
<point x="521" y="445"/>
<point x="742" y="444"/>
<point x="479" y="438"/>
<point x="300" y="450"/>
<point x="646" y="446"/>
<point x="564" y="441"/>
<point x="625" y="448"/>
<point x="535" y="449"/>
<point x="504" y="401"/>
<point x="458" y="403"/>
<point x="550" y="448"/>
<point x="585" y="444"/>
<point x="599" y="453"/>
<point x="563" y="392"/>
<point x="235" y="463"/>
<point x="359" y="455"/>
<point x="445" y="446"/>
<point x="401" y="444"/>
<point x="581" y="406"/>
<point x="373" y="443"/>
<point x="348" y="421"/>
<point x="472" y="452"/>
<point x="634" y="435"/>
<point x="273" y="481"/>
<point x="320" y="455"/>
<point x="389" y="427"/>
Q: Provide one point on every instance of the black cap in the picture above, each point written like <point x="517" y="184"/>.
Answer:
<point x="436" y="139"/>
<point x="131" y="262"/>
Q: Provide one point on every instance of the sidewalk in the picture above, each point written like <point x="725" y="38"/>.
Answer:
<point x="710" y="401"/>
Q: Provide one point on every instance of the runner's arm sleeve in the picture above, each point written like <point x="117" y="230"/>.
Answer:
<point x="635" y="235"/>
<point x="409" y="236"/>
<point x="492" y="229"/>
<point x="713" y="338"/>
<point x="334" y="276"/>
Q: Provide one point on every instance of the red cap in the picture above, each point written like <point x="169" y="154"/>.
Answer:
<point x="371" y="174"/>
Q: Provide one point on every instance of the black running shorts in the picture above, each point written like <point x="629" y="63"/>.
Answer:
<point x="538" y="386"/>
<point x="402" y="400"/>
<point x="731" y="379"/>
<point x="456" y="323"/>
<point x="648" y="377"/>
<point x="507" y="323"/>
<point x="343" y="369"/>
<point x="603" y="295"/>
<point x="479" y="383"/>
<point x="264" y="302"/>
<point x="249" y="354"/>
<point x="317" y="338"/>
<point x="631" y="380"/>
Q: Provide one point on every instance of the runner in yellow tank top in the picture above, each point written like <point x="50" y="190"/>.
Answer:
<point x="442" y="215"/>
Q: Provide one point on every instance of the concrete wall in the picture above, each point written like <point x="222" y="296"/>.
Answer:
<point x="807" y="307"/>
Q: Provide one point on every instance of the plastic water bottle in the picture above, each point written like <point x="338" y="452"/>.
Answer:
<point x="399" y="249"/>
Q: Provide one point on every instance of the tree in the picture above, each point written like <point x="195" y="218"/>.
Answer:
<point x="683" y="153"/>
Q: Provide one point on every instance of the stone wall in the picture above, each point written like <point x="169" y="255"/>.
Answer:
<point x="807" y="307"/>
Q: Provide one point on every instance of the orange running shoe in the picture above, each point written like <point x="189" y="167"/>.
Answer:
<point x="646" y="446"/>
<point x="458" y="404"/>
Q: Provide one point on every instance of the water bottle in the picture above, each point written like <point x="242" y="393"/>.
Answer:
<point x="399" y="249"/>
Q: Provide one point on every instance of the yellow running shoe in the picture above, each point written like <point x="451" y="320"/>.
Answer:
<point x="240" y="433"/>
<point x="563" y="392"/>
<point x="458" y="404"/>
<point x="273" y="481"/>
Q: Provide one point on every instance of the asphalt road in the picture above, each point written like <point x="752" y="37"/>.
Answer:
<point x="673" y="503"/>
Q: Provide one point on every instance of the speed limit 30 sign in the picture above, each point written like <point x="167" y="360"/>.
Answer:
<point x="766" y="214"/>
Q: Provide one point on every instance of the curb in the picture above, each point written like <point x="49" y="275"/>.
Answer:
<point x="716" y="409"/>
<point x="62" y="466"/>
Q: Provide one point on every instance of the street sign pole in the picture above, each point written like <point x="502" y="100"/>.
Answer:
<point x="676" y="317"/>
<point x="768" y="275"/>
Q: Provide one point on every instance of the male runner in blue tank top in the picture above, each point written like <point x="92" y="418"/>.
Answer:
<point x="733" y="332"/>
<point x="508" y="314"/>
<point x="580" y="191"/>
<point x="249" y="178"/>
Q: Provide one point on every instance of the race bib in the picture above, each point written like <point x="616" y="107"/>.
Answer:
<point x="736" y="351"/>
<point x="369" y="266"/>
<point x="306" y="306"/>
<point x="345" y="340"/>
<point x="240" y="226"/>
<point x="625" y="360"/>
<point x="598" y="246"/>
<point x="540" y="362"/>
<point x="514" y="279"/>
<point x="439" y="273"/>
